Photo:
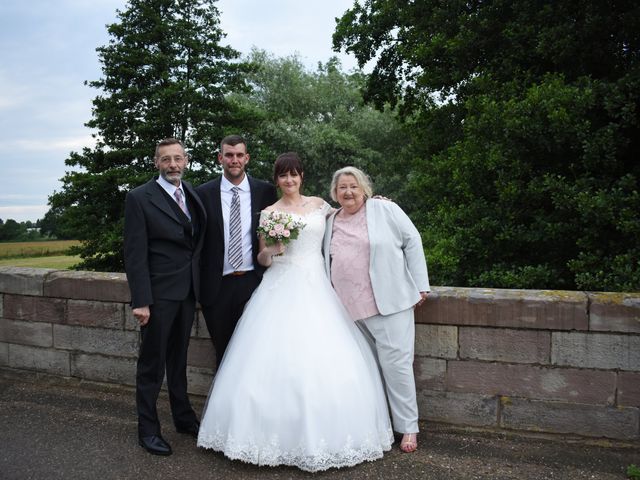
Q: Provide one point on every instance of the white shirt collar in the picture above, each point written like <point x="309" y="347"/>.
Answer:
<point x="226" y="185"/>
<point x="169" y="187"/>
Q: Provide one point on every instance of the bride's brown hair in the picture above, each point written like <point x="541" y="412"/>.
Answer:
<point x="287" y="162"/>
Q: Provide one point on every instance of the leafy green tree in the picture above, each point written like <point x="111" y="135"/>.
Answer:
<point x="526" y="134"/>
<point x="321" y="115"/>
<point x="166" y="74"/>
<point x="11" y="231"/>
<point x="52" y="225"/>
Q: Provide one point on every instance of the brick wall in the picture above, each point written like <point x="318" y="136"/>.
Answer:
<point x="525" y="360"/>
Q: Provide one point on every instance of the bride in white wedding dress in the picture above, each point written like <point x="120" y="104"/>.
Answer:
<point x="298" y="384"/>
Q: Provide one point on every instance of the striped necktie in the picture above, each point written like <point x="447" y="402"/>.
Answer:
<point x="235" y="234"/>
<point x="180" y="199"/>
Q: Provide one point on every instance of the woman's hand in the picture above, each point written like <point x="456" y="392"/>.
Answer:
<point x="423" y="297"/>
<point x="277" y="248"/>
<point x="266" y="252"/>
<point x="382" y="197"/>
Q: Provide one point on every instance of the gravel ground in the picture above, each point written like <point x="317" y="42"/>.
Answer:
<point x="54" y="428"/>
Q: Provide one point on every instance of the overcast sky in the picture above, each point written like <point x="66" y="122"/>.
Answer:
<point x="48" y="51"/>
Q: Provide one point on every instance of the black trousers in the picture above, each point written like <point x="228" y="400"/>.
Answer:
<point x="164" y="344"/>
<point x="222" y="316"/>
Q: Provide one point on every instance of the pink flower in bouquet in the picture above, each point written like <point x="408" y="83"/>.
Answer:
<point x="279" y="227"/>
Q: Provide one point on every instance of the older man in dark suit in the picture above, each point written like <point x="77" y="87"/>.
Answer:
<point x="230" y="268"/>
<point x="163" y="235"/>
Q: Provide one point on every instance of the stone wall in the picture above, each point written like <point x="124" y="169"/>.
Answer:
<point x="524" y="360"/>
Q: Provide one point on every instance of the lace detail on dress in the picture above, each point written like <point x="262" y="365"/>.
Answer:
<point x="305" y="457"/>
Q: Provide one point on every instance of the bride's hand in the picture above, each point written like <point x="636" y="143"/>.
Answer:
<point x="267" y="252"/>
<point x="276" y="249"/>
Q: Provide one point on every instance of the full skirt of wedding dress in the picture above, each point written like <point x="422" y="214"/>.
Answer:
<point x="298" y="384"/>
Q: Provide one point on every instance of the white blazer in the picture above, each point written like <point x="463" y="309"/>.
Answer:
<point x="397" y="266"/>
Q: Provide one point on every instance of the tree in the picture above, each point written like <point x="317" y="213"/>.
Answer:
<point x="165" y="75"/>
<point x="526" y="133"/>
<point x="12" y="231"/>
<point x="321" y="115"/>
<point x="52" y="225"/>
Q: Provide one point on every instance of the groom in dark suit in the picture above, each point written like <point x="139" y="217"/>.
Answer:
<point x="230" y="271"/>
<point x="163" y="235"/>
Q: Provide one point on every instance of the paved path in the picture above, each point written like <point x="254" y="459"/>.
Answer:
<point x="52" y="428"/>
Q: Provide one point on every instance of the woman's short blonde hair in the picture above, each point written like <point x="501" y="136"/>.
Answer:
<point x="362" y="179"/>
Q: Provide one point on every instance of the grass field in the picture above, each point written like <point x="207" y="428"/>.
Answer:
<point x="60" y="262"/>
<point x="48" y="254"/>
<point x="35" y="249"/>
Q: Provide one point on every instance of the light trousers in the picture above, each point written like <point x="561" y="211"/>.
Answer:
<point x="392" y="338"/>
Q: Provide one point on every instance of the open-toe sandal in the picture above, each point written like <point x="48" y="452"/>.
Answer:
<point x="409" y="442"/>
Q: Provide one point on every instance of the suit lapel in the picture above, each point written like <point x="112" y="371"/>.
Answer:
<point x="195" y="199"/>
<point x="217" y="205"/>
<point x="254" y="202"/>
<point x="158" y="199"/>
<point x="201" y="214"/>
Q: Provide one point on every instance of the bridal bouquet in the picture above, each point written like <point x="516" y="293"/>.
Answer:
<point x="279" y="227"/>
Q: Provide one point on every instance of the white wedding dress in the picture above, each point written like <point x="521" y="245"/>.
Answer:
<point x="298" y="384"/>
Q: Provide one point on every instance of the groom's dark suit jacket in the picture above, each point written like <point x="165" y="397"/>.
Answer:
<point x="161" y="255"/>
<point x="263" y="194"/>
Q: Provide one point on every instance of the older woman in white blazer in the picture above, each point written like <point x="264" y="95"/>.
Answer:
<point x="374" y="256"/>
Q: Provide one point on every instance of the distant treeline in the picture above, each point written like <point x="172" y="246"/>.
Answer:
<point x="12" y="231"/>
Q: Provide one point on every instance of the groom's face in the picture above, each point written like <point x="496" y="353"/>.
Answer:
<point x="233" y="159"/>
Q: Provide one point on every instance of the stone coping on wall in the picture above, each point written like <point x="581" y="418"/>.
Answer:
<point x="512" y="308"/>
<point x="81" y="285"/>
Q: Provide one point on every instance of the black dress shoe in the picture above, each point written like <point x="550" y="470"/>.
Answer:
<point x="190" y="430"/>
<point x="155" y="444"/>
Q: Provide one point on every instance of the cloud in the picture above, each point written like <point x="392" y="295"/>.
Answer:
<point x="22" y="197"/>
<point x="64" y="145"/>
<point x="285" y="27"/>
<point x="14" y="92"/>
<point x="22" y="213"/>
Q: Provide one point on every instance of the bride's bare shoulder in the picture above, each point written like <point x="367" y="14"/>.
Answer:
<point x="316" y="202"/>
